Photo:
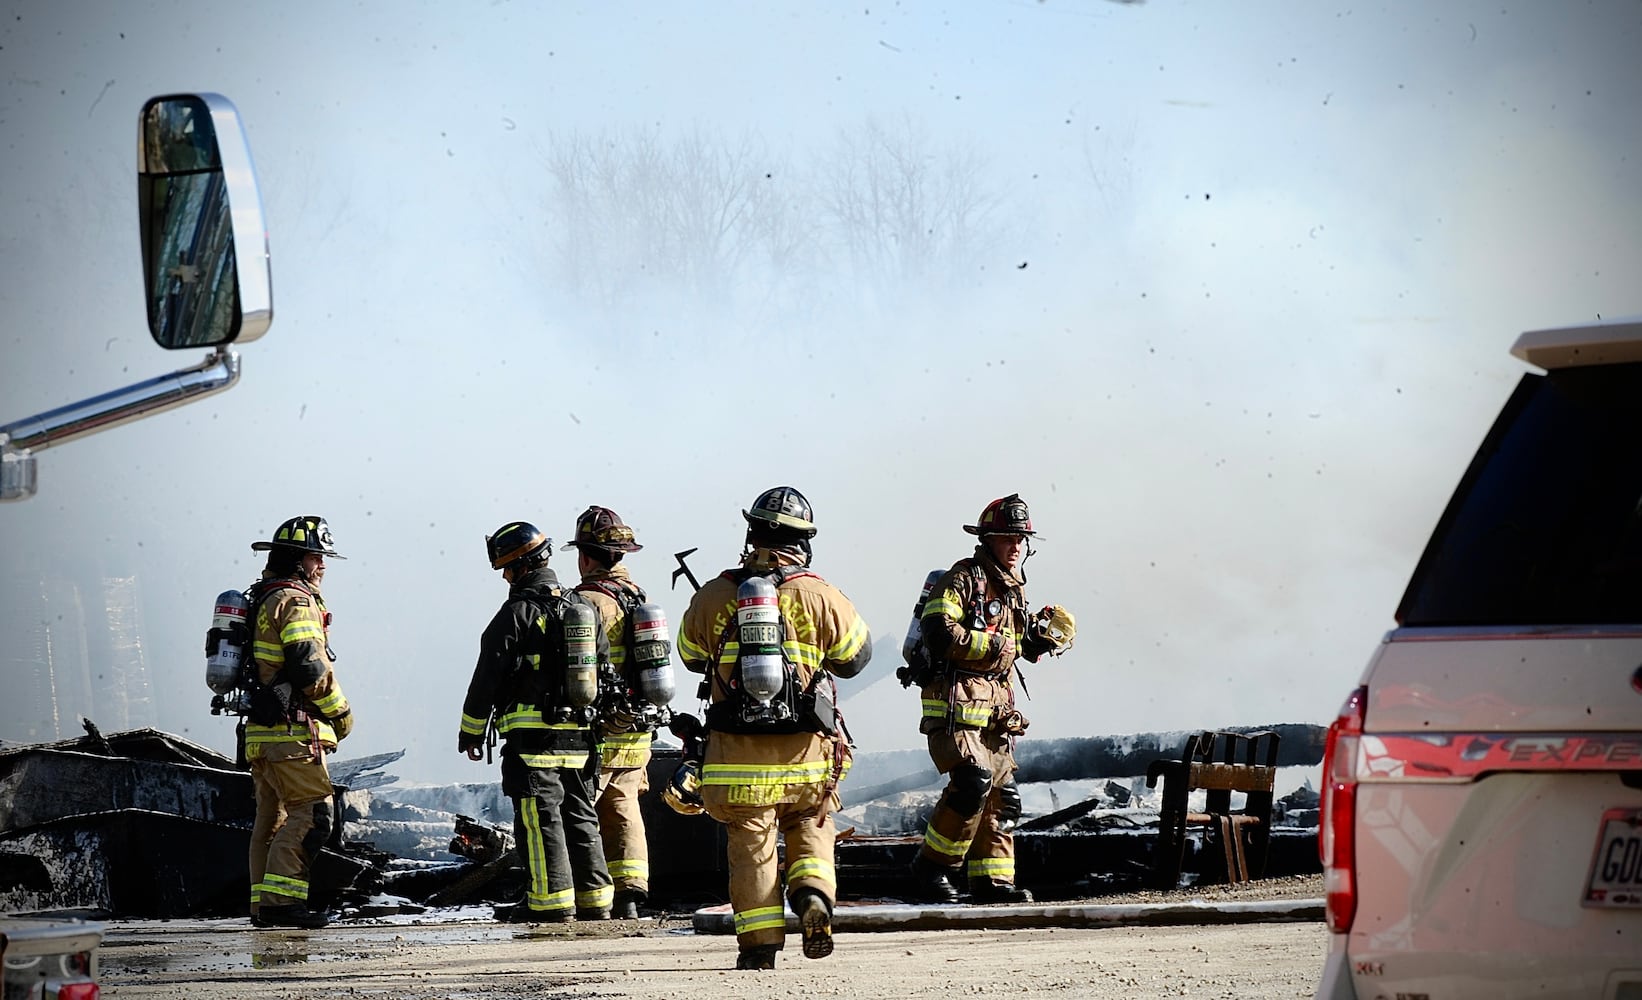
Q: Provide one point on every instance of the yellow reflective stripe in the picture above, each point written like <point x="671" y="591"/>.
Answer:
<point x="941" y="845"/>
<point x="601" y="897"/>
<point x="762" y="918"/>
<point x="816" y="868"/>
<point x="935" y="708"/>
<point x="268" y="652"/>
<point x="472" y="726"/>
<point x="978" y="716"/>
<point x="850" y="642"/>
<point x="981" y="646"/>
<point x="804" y="773"/>
<point x="802" y="652"/>
<point x="333" y="704"/>
<point x="1003" y="868"/>
<point x="530" y="817"/>
<point x="550" y="901"/>
<point x="944" y="604"/>
<point x="627" y="739"/>
<point x="689" y="650"/>
<point x="296" y="733"/>
<point x="301" y="629"/>
<point x="530" y="717"/>
<point x="630" y="868"/>
<point x="280" y="885"/>
<point x="573" y="759"/>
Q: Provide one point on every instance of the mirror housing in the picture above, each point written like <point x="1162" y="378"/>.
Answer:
<point x="204" y="244"/>
<point x="205" y="275"/>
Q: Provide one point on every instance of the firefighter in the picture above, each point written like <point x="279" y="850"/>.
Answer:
<point x="974" y="625"/>
<point x="297" y="715"/>
<point x="770" y="635"/>
<point x="627" y="719"/>
<point x="535" y="685"/>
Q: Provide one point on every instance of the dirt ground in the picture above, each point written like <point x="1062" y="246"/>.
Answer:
<point x="460" y="955"/>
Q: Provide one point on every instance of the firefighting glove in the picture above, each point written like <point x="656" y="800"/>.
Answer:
<point x="343" y="724"/>
<point x="466" y="741"/>
<point x="1011" y="721"/>
<point x="1051" y="631"/>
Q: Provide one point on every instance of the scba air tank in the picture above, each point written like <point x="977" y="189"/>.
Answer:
<point x="915" y="630"/>
<point x="653" y="654"/>
<point x="758" y="631"/>
<point x="581" y="655"/>
<point x="225" y="642"/>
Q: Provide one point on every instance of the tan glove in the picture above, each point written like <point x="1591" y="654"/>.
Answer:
<point x="343" y="724"/>
<point x="1012" y="721"/>
<point x="1057" y="628"/>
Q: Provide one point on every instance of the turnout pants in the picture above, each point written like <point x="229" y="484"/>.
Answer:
<point x="293" y="821"/>
<point x="622" y="827"/>
<point x="556" y="833"/>
<point x="958" y="830"/>
<point x="755" y="874"/>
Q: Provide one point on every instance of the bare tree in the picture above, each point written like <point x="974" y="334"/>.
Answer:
<point x="904" y="214"/>
<point x="698" y="215"/>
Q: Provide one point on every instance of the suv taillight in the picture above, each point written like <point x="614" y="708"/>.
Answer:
<point x="1336" y="841"/>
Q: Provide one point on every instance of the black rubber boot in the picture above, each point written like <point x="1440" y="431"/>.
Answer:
<point x="931" y="883"/>
<point x="987" y="891"/>
<point x="759" y="956"/>
<point x="628" y="901"/>
<point x="520" y="913"/>
<point x="295" y="915"/>
<point x="814" y="922"/>
<point x="593" y="913"/>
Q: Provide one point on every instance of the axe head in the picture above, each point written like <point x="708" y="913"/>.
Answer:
<point x="684" y="570"/>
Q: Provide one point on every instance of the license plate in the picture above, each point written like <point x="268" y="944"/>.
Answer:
<point x="1616" y="869"/>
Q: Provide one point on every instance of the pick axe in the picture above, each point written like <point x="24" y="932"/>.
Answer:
<point x="684" y="570"/>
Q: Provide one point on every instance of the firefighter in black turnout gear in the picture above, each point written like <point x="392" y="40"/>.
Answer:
<point x="535" y="684"/>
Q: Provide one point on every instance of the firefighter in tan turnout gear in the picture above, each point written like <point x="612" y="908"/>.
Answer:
<point x="633" y="697"/>
<point x="974" y="625"/>
<point x="297" y="713"/>
<point x="536" y="684"/>
<point x="770" y="635"/>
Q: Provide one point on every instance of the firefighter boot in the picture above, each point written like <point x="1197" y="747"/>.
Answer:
<point x="983" y="890"/>
<point x="758" y="956"/>
<point x="519" y="912"/>
<point x="814" y="921"/>
<point x="931" y="883"/>
<point x="294" y="915"/>
<point x="628" y="901"/>
<point x="592" y="913"/>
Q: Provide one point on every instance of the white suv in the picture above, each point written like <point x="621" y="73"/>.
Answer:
<point x="1482" y="815"/>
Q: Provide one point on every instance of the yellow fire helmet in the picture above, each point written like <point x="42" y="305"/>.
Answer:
<point x="682" y="793"/>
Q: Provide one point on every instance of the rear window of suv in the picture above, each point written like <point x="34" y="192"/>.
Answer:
<point x="1545" y="527"/>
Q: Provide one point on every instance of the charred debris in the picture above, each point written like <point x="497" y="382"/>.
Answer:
<point x="146" y="824"/>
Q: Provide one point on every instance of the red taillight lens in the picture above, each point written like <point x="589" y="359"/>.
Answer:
<point x="78" y="991"/>
<point x="1336" y="841"/>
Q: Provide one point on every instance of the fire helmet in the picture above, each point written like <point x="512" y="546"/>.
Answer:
<point x="603" y="529"/>
<point x="1003" y="516"/>
<point x="516" y="540"/>
<point x="782" y="510"/>
<point x="682" y="793"/>
<point x="305" y="534"/>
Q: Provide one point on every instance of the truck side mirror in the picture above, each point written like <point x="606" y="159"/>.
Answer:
<point x="205" y="247"/>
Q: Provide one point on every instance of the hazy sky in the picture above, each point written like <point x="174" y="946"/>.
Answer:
<point x="1256" y="270"/>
